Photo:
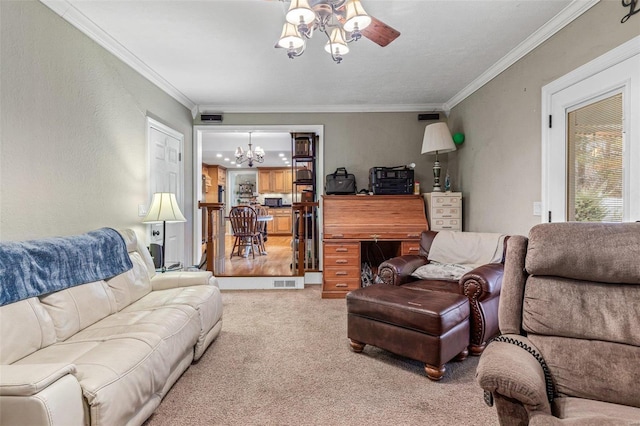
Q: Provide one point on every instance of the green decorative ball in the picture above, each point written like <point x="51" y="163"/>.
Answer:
<point x="458" y="138"/>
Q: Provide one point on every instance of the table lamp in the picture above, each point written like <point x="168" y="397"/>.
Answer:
<point x="437" y="139"/>
<point x="164" y="208"/>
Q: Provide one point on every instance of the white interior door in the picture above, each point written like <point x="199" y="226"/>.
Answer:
<point x="165" y="155"/>
<point x="610" y="100"/>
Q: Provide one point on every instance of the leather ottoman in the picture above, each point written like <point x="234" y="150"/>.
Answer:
<point x="428" y="326"/>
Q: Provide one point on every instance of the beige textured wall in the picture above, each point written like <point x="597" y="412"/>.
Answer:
<point x="499" y="165"/>
<point x="73" y="121"/>
<point x="359" y="141"/>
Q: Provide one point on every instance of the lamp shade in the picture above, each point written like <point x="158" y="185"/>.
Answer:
<point x="337" y="43"/>
<point x="164" y="208"/>
<point x="437" y="139"/>
<point x="290" y="37"/>
<point x="356" y="16"/>
<point x="300" y="11"/>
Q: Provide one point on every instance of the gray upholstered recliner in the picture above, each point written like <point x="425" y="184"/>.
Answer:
<point x="569" y="352"/>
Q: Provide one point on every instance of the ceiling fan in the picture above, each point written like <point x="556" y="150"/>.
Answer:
<point x="342" y="21"/>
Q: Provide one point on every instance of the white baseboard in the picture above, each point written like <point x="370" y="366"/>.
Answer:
<point x="260" y="283"/>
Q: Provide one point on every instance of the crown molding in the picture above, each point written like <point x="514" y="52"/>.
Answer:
<point x="562" y="19"/>
<point x="72" y="15"/>
<point x="319" y="108"/>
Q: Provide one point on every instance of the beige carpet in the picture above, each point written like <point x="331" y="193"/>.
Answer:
<point x="283" y="358"/>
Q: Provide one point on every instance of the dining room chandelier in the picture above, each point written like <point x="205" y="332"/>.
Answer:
<point x="251" y="155"/>
<point x="340" y="20"/>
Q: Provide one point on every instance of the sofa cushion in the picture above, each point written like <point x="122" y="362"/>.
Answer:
<point x="76" y="308"/>
<point x="131" y="285"/>
<point x="25" y="327"/>
<point x="177" y="325"/>
<point x="134" y="246"/>
<point x="124" y="361"/>
<point x="117" y="376"/>
<point x="205" y="299"/>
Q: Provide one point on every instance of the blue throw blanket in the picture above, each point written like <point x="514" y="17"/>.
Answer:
<point x="34" y="268"/>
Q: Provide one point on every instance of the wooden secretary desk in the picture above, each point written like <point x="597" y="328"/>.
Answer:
<point x="351" y="222"/>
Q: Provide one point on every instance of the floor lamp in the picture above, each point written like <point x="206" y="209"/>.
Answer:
<point x="437" y="139"/>
<point x="164" y="208"/>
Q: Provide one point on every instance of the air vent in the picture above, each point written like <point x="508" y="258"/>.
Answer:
<point x="284" y="284"/>
<point x="431" y="116"/>
<point x="215" y="118"/>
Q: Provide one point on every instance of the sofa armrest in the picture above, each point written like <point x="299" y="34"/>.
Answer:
<point x="511" y="371"/>
<point x="181" y="279"/>
<point x="29" y="379"/>
<point x="41" y="394"/>
<point x="483" y="282"/>
<point x="398" y="270"/>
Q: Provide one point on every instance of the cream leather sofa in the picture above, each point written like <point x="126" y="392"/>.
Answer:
<point x="104" y="353"/>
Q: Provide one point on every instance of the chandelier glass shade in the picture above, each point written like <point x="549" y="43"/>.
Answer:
<point x="340" y="20"/>
<point x="251" y="155"/>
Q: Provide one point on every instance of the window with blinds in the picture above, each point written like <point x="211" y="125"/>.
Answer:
<point x="595" y="162"/>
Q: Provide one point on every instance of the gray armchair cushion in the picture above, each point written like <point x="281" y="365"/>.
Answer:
<point x="608" y="253"/>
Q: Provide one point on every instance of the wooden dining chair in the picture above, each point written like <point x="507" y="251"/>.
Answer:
<point x="244" y="225"/>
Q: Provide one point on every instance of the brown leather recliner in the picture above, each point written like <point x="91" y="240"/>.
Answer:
<point x="481" y="286"/>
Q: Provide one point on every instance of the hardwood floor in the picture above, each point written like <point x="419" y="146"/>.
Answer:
<point x="276" y="262"/>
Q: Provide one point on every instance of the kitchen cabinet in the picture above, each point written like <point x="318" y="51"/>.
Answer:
<point x="212" y="177"/>
<point x="281" y="223"/>
<point x="274" y="180"/>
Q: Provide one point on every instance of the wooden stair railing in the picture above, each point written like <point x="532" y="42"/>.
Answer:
<point x="214" y="241"/>
<point x="304" y="216"/>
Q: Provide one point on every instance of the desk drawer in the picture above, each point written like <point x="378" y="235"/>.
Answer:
<point x="344" y="273"/>
<point x="337" y="284"/>
<point x="410" y="247"/>
<point x="342" y="249"/>
<point x="446" y="213"/>
<point x="348" y="259"/>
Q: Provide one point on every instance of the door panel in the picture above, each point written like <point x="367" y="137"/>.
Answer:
<point x="166" y="172"/>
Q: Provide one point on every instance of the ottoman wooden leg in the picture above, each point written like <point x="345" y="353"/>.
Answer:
<point x="462" y="355"/>
<point x="356" y="346"/>
<point x="434" y="372"/>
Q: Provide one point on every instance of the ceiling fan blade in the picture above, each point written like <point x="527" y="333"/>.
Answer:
<point x="380" y="33"/>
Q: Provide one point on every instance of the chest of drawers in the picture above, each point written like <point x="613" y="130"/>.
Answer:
<point x="444" y="210"/>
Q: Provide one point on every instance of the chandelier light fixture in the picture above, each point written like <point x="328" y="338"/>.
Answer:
<point x="342" y="21"/>
<point x="252" y="155"/>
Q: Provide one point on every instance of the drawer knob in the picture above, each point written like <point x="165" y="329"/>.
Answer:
<point x="341" y="285"/>
<point x="341" y="250"/>
<point x="342" y="261"/>
<point x="341" y="273"/>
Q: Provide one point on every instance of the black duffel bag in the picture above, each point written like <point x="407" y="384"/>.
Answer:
<point x="340" y="182"/>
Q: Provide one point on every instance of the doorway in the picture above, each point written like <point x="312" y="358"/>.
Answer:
<point x="271" y="271"/>
<point x="591" y="140"/>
